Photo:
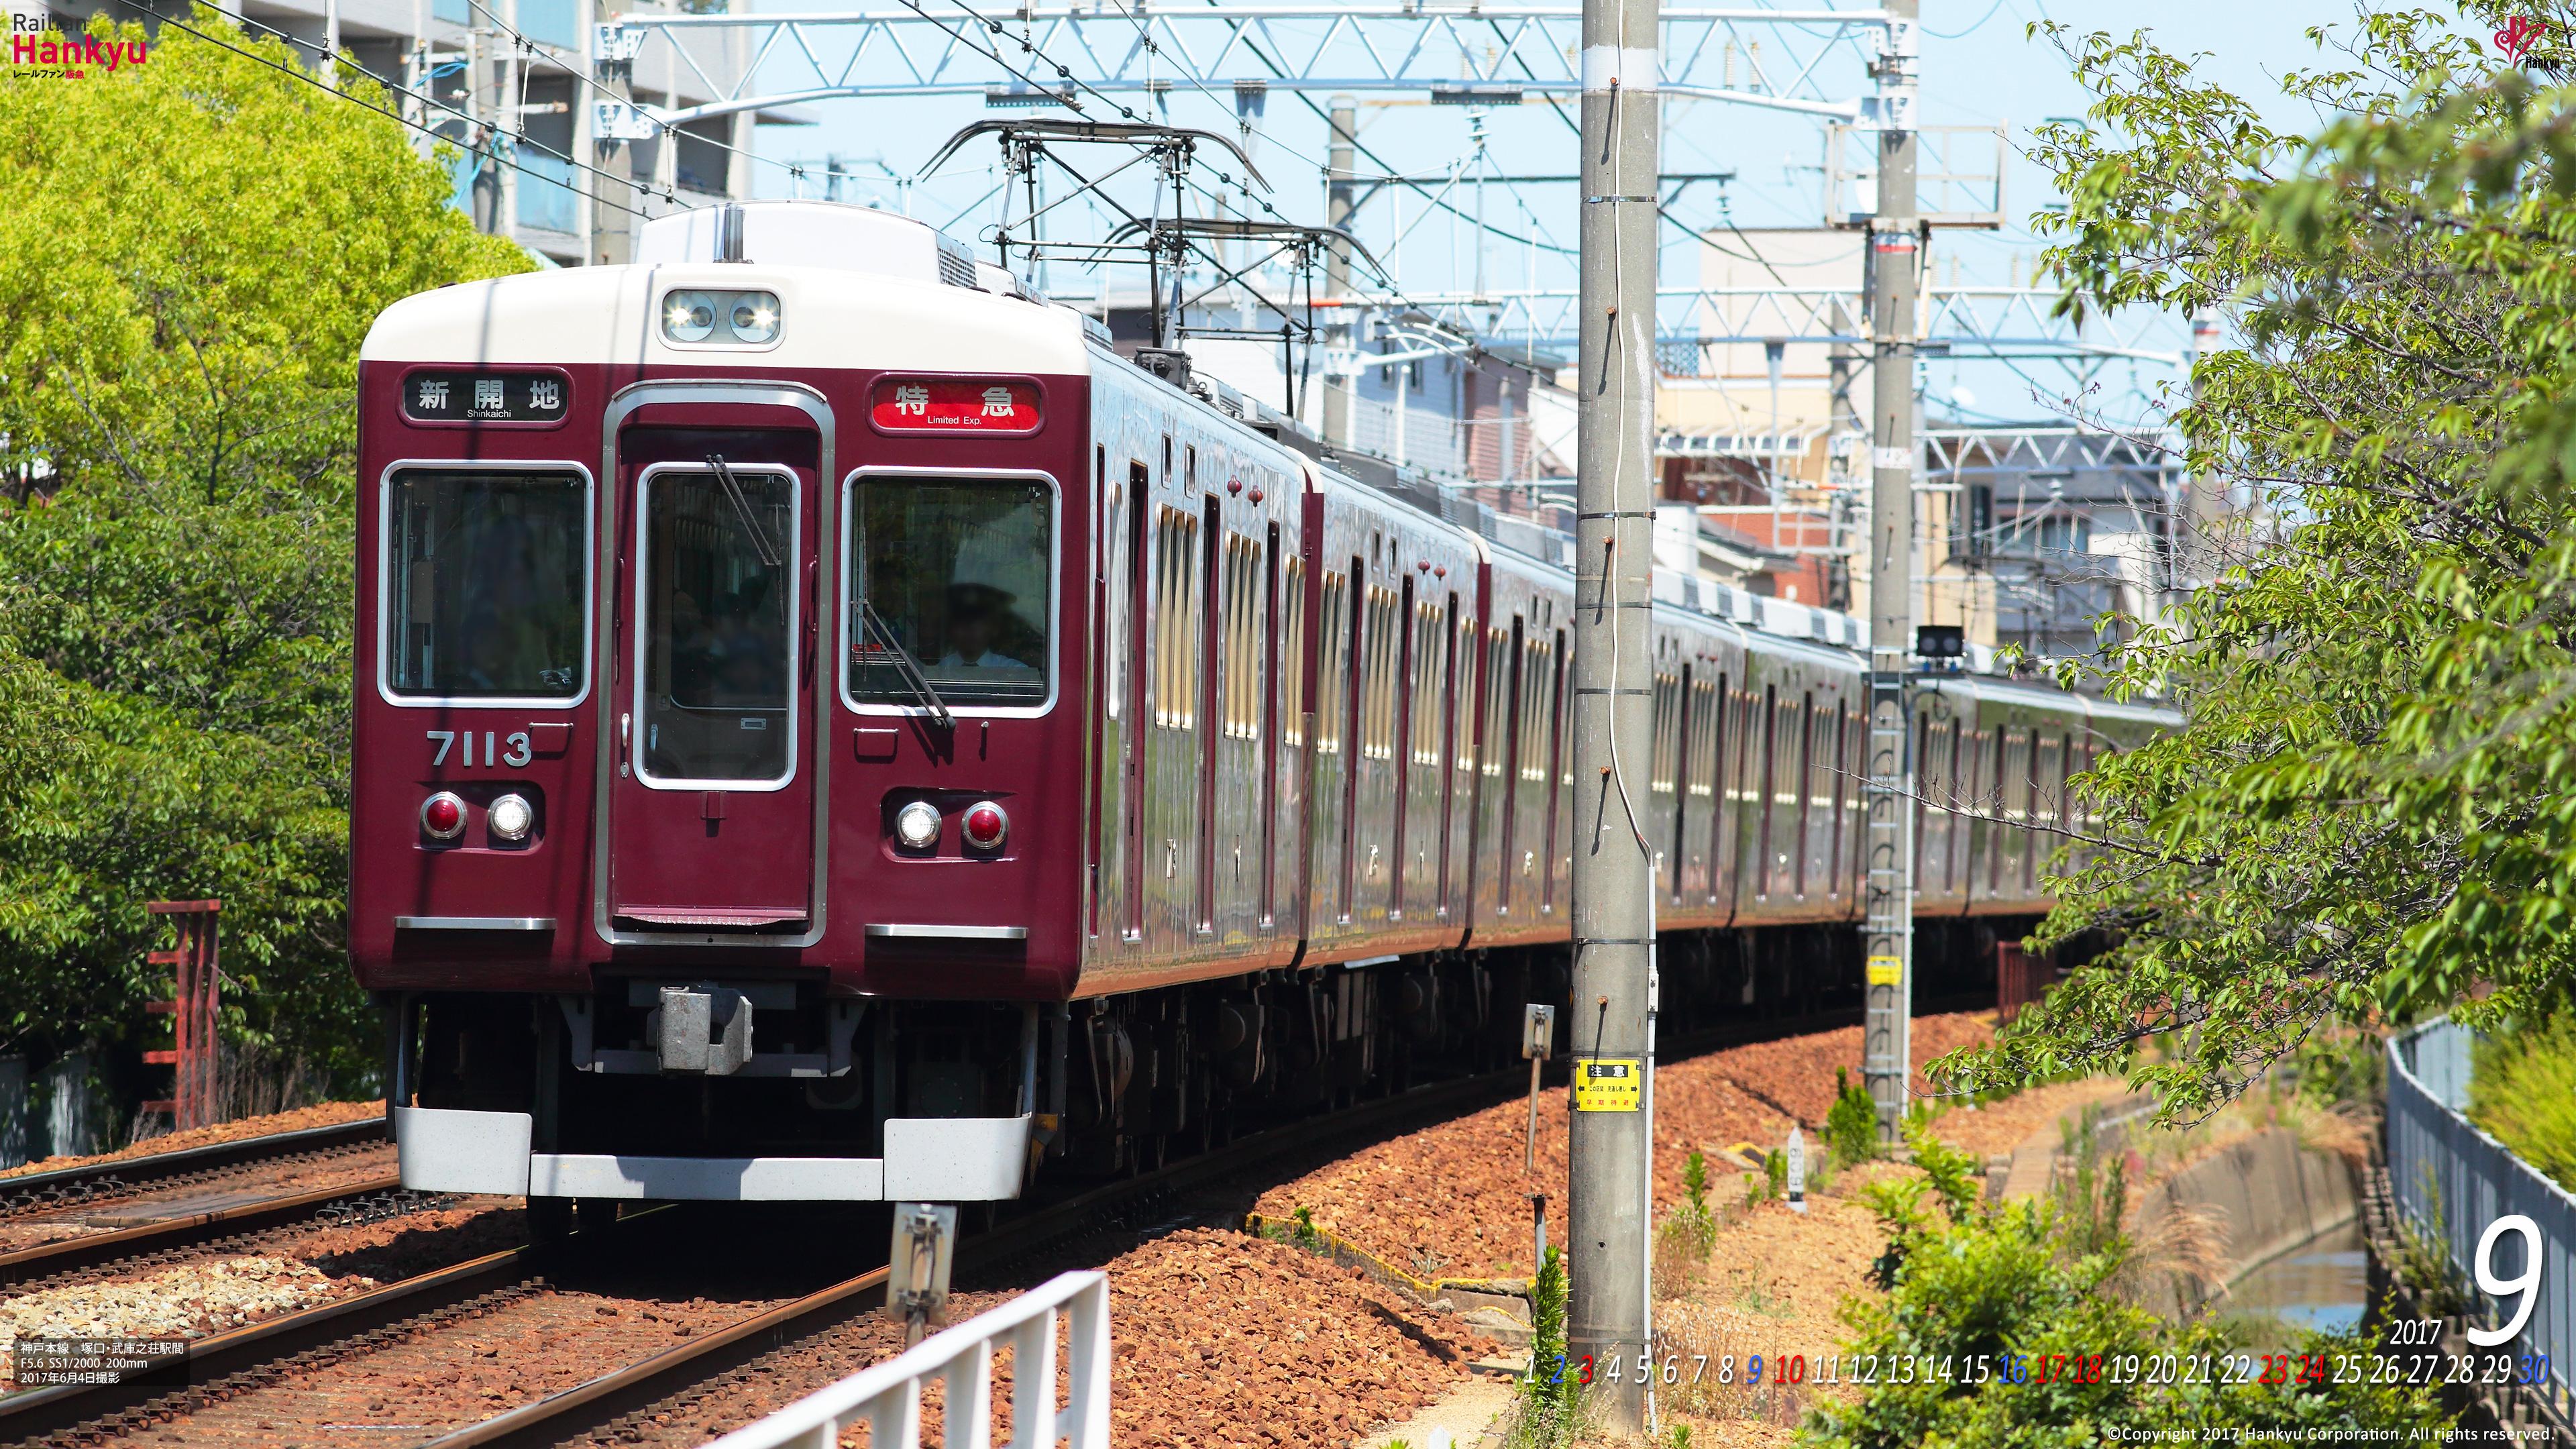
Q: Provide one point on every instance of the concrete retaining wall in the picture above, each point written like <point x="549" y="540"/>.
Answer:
<point x="2268" y="1194"/>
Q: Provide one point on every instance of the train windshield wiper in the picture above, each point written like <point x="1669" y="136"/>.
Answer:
<point x="913" y="679"/>
<point x="759" y="536"/>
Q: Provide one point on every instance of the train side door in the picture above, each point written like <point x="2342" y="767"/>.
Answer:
<point x="711" y="823"/>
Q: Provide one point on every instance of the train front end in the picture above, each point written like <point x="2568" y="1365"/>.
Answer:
<point x="716" y="805"/>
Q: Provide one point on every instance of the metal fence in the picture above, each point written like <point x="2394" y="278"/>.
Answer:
<point x="888" y="1395"/>
<point x="2452" y="1180"/>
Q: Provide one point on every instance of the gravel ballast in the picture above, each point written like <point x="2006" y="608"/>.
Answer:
<point x="1451" y="1201"/>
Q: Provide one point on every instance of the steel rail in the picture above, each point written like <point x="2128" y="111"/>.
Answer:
<point x="267" y="1345"/>
<point x="62" y="1187"/>
<point x="47" y="1259"/>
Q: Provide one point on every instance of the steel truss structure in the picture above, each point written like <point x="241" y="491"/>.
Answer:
<point x="1960" y="321"/>
<point x="1082" y="54"/>
<point x="1951" y="456"/>
<point x="1108" y="61"/>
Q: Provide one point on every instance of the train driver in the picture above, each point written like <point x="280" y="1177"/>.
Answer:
<point x="991" y="587"/>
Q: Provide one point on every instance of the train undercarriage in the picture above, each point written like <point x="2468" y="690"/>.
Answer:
<point x="781" y="1091"/>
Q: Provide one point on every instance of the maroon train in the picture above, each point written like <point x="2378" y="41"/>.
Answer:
<point x="829" y="727"/>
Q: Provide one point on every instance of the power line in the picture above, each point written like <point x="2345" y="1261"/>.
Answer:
<point x="1971" y="30"/>
<point x="994" y="54"/>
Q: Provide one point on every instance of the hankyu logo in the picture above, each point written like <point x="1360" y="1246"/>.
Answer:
<point x="2519" y="35"/>
<point x="38" y="50"/>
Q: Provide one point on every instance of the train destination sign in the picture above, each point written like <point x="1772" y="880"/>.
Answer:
<point x="462" y="396"/>
<point x="954" y="405"/>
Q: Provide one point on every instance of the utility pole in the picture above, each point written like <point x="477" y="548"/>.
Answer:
<point x="1611" y="1023"/>
<point x="1340" y="337"/>
<point x="614" y="127"/>
<point x="1895" y="242"/>
<point x="482" y="101"/>
<point x="2195" y="549"/>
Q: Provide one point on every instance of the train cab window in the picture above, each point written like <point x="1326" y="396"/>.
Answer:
<point x="485" y="579"/>
<point x="719" y="640"/>
<point x="955" y="573"/>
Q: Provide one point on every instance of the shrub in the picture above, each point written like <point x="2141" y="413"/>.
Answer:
<point x="1547" y="1412"/>
<point x="1688" y="1232"/>
<point x="1851" y="1128"/>
<point x="2011" y="1286"/>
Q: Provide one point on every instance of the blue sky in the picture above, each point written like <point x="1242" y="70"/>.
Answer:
<point x="1979" y="67"/>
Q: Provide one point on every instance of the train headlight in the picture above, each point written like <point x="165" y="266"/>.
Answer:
<point x="689" y="316"/>
<point x="442" y="816"/>
<point x="985" y="825"/>
<point x="510" y="817"/>
<point x="722" y="318"/>
<point x="754" y="316"/>
<point x="917" y="825"/>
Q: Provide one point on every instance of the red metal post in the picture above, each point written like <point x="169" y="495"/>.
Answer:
<point x="192" y="1013"/>
<point x="2013" y="987"/>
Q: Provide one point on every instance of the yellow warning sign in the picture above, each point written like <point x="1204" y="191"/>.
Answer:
<point x="1886" y="970"/>
<point x="1609" y="1084"/>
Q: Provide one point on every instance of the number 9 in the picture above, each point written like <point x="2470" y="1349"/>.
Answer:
<point x="2523" y="1286"/>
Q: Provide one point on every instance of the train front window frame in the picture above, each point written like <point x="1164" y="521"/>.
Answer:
<point x="392" y="598"/>
<point x="646" y="671"/>
<point x="899" y="702"/>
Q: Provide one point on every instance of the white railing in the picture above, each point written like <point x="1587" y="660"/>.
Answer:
<point x="887" y="1396"/>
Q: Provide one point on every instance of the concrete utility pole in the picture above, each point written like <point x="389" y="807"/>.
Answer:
<point x="1895" y="241"/>
<point x="609" y="128"/>
<point x="2196" y="549"/>
<point x="1339" y="335"/>
<point x="482" y="102"/>
<point x="1611" y="1022"/>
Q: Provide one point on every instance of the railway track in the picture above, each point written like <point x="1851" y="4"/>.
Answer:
<point x="207" y="1201"/>
<point x="606" y="1408"/>
<point x="312" y="1343"/>
<point x="95" y="1184"/>
<point x="241" y="1228"/>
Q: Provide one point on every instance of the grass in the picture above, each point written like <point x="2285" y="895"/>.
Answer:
<point x="1687" y="1233"/>
<point x="2522" y="1088"/>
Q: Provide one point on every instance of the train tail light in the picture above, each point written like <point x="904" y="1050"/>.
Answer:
<point x="442" y="816"/>
<point x="985" y="825"/>
<point x="510" y="818"/>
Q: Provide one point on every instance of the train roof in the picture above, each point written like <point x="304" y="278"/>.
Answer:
<point x="933" y="306"/>
<point x="929" y="304"/>
<point x="1534" y="547"/>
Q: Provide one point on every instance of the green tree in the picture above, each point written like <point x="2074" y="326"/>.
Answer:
<point x="2374" y="802"/>
<point x="198" y="244"/>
